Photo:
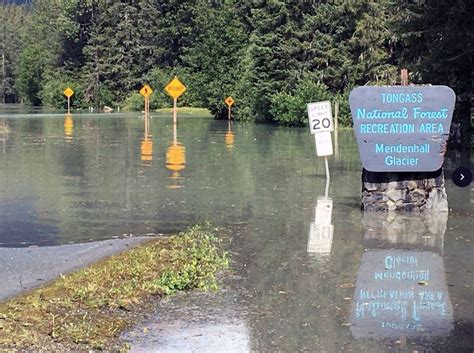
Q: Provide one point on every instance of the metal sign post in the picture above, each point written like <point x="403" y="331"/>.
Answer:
<point x="175" y="111"/>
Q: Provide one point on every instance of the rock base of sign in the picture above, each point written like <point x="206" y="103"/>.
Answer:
<point x="409" y="192"/>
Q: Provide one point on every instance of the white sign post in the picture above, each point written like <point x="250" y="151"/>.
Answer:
<point x="321" y="125"/>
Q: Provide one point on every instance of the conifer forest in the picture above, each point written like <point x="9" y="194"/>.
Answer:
<point x="271" y="56"/>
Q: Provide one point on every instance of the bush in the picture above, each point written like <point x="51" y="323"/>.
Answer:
<point x="104" y="96"/>
<point x="52" y="93"/>
<point x="134" y="102"/>
<point x="290" y="108"/>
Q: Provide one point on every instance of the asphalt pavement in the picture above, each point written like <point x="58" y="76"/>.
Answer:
<point x="23" y="269"/>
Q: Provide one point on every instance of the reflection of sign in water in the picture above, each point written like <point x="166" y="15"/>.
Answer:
<point x="401" y="293"/>
<point x="229" y="137"/>
<point x="146" y="144"/>
<point x="321" y="231"/>
<point x="402" y="129"/>
<point x="176" y="158"/>
<point x="68" y="127"/>
<point x="146" y="150"/>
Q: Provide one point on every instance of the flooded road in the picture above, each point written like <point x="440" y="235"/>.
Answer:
<point x="310" y="271"/>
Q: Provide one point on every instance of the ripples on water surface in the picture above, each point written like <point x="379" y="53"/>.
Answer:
<point x="311" y="273"/>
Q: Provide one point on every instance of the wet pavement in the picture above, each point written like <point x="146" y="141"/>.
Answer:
<point x="376" y="291"/>
<point x="28" y="267"/>
<point x="310" y="272"/>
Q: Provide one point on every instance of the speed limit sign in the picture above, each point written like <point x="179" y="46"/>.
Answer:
<point x="320" y="117"/>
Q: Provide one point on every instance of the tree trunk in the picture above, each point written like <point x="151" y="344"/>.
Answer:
<point x="3" y="77"/>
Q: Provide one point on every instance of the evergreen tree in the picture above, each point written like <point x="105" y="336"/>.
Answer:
<point x="213" y="58"/>
<point x="29" y="74"/>
<point x="78" y="16"/>
<point x="437" y="46"/>
<point x="40" y="57"/>
<point x="13" y="21"/>
<point x="266" y="70"/>
<point x="372" y="43"/>
<point x="123" y="46"/>
<point x="326" y="54"/>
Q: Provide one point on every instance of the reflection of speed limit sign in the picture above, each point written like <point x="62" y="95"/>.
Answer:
<point x="320" y="117"/>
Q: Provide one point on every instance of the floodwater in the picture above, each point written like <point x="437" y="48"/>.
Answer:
<point x="310" y="272"/>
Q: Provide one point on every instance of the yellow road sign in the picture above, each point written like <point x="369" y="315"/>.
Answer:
<point x="68" y="92"/>
<point x="146" y="91"/>
<point x="175" y="88"/>
<point x="229" y="101"/>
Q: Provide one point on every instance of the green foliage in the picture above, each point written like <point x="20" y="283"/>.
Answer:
<point x="344" y="118"/>
<point x="12" y="21"/>
<point x="436" y="44"/>
<point x="266" y="64"/>
<point x="339" y="43"/>
<point x="104" y="96"/>
<point x="258" y="52"/>
<point x="52" y="93"/>
<point x="123" y="46"/>
<point x="135" y="102"/>
<point x="196" y="259"/>
<point x="213" y="60"/>
<point x="290" y="108"/>
<point x="29" y="75"/>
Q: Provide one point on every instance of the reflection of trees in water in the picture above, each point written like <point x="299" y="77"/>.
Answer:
<point x="297" y="301"/>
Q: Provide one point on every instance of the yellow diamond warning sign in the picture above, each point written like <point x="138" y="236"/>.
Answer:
<point x="146" y="91"/>
<point x="175" y="88"/>
<point x="68" y="92"/>
<point x="229" y="101"/>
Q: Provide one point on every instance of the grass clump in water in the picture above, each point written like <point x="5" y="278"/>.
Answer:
<point x="188" y="111"/>
<point x="90" y="307"/>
